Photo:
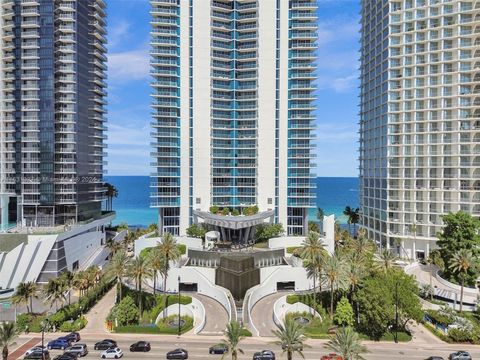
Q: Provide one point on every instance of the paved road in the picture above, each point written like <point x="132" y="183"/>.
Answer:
<point x="198" y="347"/>
<point x="262" y="313"/>
<point x="425" y="274"/>
<point x="216" y="315"/>
<point x="97" y="315"/>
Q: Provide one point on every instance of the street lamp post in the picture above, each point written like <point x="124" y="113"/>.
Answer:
<point x="43" y="324"/>
<point x="179" y="317"/>
<point x="396" y="312"/>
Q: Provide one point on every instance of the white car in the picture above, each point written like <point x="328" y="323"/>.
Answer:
<point x="113" y="353"/>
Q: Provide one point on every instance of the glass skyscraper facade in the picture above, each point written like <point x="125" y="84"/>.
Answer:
<point x="52" y="96"/>
<point x="233" y="123"/>
<point x="419" y="119"/>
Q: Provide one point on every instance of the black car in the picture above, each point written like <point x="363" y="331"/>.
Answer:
<point x="181" y="354"/>
<point x="460" y="355"/>
<point x="64" y="357"/>
<point x="264" y="355"/>
<point x="73" y="337"/>
<point x="434" y="358"/>
<point x="69" y="355"/>
<point x="218" y="349"/>
<point x="105" y="344"/>
<point x="140" y="346"/>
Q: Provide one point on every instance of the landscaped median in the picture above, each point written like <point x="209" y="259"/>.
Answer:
<point x="125" y="316"/>
<point x="322" y="327"/>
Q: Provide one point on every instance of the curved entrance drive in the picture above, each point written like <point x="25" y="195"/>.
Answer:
<point x="262" y="313"/>
<point x="216" y="317"/>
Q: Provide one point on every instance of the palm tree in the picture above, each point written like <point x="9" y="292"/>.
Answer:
<point x="291" y="337"/>
<point x="111" y="192"/>
<point x="461" y="263"/>
<point x="93" y="274"/>
<point x="8" y="333"/>
<point x="320" y="217"/>
<point x="386" y="260"/>
<point x="233" y="336"/>
<point x="81" y="282"/>
<point x="157" y="262"/>
<point x="169" y="251"/>
<point x="355" y="217"/>
<point x="334" y="269"/>
<point x="355" y="272"/>
<point x="348" y="212"/>
<point x="117" y="268"/>
<point x="362" y="245"/>
<point x="67" y="277"/>
<point x="114" y="247"/>
<point x="347" y="343"/>
<point x="54" y="291"/>
<point x="139" y="269"/>
<point x="24" y="295"/>
<point x="314" y="252"/>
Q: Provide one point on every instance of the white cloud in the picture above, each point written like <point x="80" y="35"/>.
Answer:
<point x="129" y="65"/>
<point x="127" y="136"/>
<point x="118" y="32"/>
<point x="345" y="84"/>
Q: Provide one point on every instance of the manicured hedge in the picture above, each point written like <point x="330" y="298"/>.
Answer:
<point x="160" y="328"/>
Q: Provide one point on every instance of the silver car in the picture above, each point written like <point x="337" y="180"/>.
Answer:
<point x="77" y="349"/>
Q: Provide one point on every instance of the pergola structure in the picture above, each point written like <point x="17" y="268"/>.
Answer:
<point x="235" y="229"/>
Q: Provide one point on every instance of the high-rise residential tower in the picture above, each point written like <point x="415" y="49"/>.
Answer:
<point x="419" y="119"/>
<point x="233" y="101"/>
<point x="52" y="97"/>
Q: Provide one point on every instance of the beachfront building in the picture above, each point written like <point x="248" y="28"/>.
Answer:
<point x="419" y="119"/>
<point x="233" y="101"/>
<point x="52" y="114"/>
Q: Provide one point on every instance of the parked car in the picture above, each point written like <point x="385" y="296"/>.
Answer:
<point x="65" y="357"/>
<point x="112" y="353"/>
<point x="460" y="355"/>
<point x="331" y="356"/>
<point x="37" y="355"/>
<point x="79" y="350"/>
<point x="218" y="349"/>
<point x="105" y="344"/>
<point x="36" y="349"/>
<point x="264" y="355"/>
<point x="73" y="337"/>
<point x="434" y="358"/>
<point x="59" y="343"/>
<point x="181" y="354"/>
<point x="140" y="346"/>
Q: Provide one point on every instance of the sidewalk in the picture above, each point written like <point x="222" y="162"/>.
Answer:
<point x="97" y="315"/>
<point x="20" y="351"/>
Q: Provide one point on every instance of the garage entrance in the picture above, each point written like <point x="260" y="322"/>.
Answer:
<point x="189" y="287"/>
<point x="286" y="285"/>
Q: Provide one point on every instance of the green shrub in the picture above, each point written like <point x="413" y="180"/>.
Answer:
<point x="245" y="332"/>
<point x="225" y="211"/>
<point x="293" y="249"/>
<point x="182" y="248"/>
<point x="77" y="325"/>
<point x="459" y="335"/>
<point x="235" y="212"/>
<point x="214" y="209"/>
<point x="440" y="318"/>
<point x="161" y="328"/>
<point x="125" y="313"/>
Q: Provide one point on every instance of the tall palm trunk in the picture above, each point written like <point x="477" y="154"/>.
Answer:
<point x="31" y="304"/>
<point x="140" y="305"/>
<point x="165" y="275"/>
<point x="5" y="352"/>
<point x="289" y="354"/>
<point x="119" y="287"/>
<point x="314" y="294"/>
<point x="154" y="282"/>
<point x="331" y="300"/>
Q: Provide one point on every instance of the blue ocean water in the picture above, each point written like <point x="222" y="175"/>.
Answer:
<point x="133" y="202"/>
